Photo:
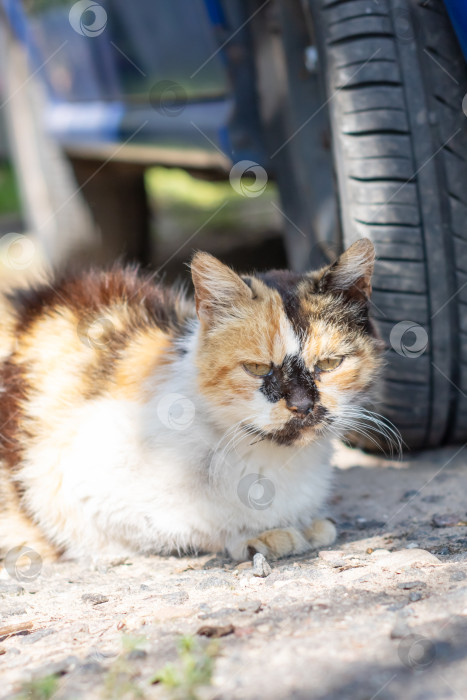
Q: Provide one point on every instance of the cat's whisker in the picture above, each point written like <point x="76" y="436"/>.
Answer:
<point x="387" y="424"/>
<point x="357" y="429"/>
<point x="220" y="456"/>
<point x="357" y="419"/>
<point x="383" y="426"/>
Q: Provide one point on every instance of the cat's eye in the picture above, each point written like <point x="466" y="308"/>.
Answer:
<point x="328" y="363"/>
<point x="257" y="369"/>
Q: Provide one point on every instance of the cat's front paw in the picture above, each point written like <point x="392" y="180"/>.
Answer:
<point x="321" y="533"/>
<point x="273" y="544"/>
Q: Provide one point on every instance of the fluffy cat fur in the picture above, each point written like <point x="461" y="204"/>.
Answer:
<point x="128" y="422"/>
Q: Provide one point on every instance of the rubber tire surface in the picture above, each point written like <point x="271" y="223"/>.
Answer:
<point x="395" y="79"/>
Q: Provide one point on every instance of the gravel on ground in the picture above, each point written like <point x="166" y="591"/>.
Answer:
<point x="380" y="614"/>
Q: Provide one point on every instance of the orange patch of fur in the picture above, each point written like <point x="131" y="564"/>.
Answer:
<point x="255" y="336"/>
<point x="147" y="353"/>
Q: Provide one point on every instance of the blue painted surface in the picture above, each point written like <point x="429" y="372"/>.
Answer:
<point x="457" y="10"/>
<point x="215" y="12"/>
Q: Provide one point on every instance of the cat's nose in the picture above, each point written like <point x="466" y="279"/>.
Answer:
<point x="301" y="408"/>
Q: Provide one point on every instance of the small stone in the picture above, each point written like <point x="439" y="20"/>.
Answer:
<point x="137" y="654"/>
<point x="250" y="606"/>
<point x="416" y="558"/>
<point x="458" y="576"/>
<point x="261" y="567"/>
<point x="176" y="598"/>
<point x="412" y="545"/>
<point x="94" y="598"/>
<point x="212" y="582"/>
<point x="414" y="596"/>
<point x="445" y="520"/>
<point x="408" y="585"/>
<point x="396" y="607"/>
<point x="35" y="636"/>
<point x="409" y="494"/>
<point x="91" y="667"/>
<point x="215" y="631"/>
<point x="223" y="612"/>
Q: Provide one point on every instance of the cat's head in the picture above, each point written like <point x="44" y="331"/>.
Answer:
<point x="286" y="355"/>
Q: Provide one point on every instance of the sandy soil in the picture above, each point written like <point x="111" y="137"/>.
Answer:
<point x="381" y="614"/>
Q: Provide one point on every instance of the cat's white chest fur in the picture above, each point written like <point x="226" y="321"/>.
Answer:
<point x="128" y="481"/>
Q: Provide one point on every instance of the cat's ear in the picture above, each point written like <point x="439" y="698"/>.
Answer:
<point x="219" y="291"/>
<point x="351" y="272"/>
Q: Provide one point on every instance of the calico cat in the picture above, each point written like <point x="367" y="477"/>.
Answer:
<point x="133" y="419"/>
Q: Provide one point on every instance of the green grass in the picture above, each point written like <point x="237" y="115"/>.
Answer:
<point x="9" y="197"/>
<point x="174" y="186"/>
<point x="193" y="670"/>
<point x="183" y="204"/>
<point x="121" y="680"/>
<point x="40" y="689"/>
<point x="182" y="680"/>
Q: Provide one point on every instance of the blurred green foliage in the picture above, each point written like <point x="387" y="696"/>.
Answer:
<point x="9" y="197"/>
<point x="183" y="204"/>
<point x="40" y="689"/>
<point x="41" y="5"/>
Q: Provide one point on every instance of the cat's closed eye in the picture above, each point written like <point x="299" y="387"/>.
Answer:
<point x="257" y="369"/>
<point x="329" y="363"/>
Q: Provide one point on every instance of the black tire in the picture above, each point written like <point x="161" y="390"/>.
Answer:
<point x="395" y="79"/>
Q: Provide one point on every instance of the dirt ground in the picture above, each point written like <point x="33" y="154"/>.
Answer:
<point x="381" y="614"/>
